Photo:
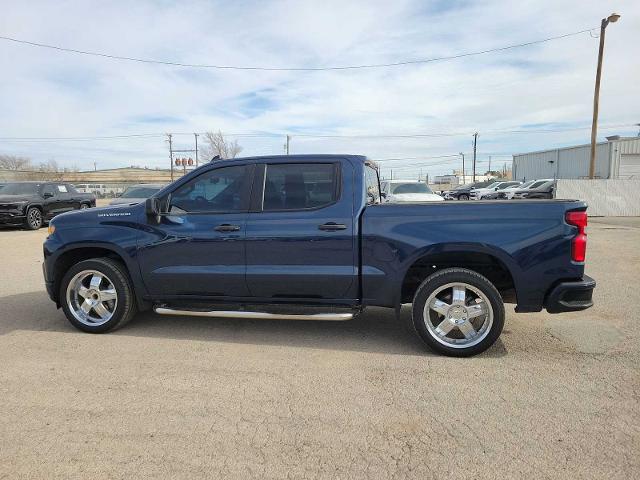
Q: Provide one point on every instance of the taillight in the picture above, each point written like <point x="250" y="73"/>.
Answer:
<point x="579" y="242"/>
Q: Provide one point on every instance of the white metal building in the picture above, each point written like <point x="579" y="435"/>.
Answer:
<point x="615" y="158"/>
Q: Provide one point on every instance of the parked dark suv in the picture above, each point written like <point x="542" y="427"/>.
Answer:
<point x="30" y="204"/>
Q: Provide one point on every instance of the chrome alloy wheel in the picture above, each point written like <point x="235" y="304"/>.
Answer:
<point x="458" y="315"/>
<point x="92" y="298"/>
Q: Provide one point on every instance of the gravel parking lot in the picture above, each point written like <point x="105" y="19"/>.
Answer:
<point x="556" y="397"/>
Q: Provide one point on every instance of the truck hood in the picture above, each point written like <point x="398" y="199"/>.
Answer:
<point x="416" y="197"/>
<point x="94" y="217"/>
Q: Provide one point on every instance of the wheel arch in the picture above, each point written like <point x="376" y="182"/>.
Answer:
<point x="493" y="263"/>
<point x="39" y="206"/>
<point x="79" y="252"/>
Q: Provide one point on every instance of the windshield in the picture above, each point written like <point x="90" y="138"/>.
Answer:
<point x="140" y="192"/>
<point x="399" y="188"/>
<point x="494" y="185"/>
<point x="20" y="189"/>
<point x="524" y="185"/>
<point x="507" y="185"/>
<point x="538" y="184"/>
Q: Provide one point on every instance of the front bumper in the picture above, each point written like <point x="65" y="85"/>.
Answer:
<point x="12" y="218"/>
<point x="570" y="296"/>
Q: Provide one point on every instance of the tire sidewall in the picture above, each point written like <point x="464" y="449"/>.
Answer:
<point x="458" y="275"/>
<point x="28" y="223"/>
<point x="123" y="292"/>
<point x="463" y="197"/>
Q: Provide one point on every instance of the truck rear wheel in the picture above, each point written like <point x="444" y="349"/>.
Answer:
<point x="97" y="296"/>
<point x="458" y="312"/>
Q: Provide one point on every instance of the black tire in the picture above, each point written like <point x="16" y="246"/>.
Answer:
<point x="126" y="306"/>
<point x="464" y="196"/>
<point x="463" y="276"/>
<point x="34" y="218"/>
<point x="84" y="206"/>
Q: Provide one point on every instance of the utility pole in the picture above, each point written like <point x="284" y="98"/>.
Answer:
<point x="596" y="94"/>
<point x="489" y="162"/>
<point x="170" y="155"/>
<point x="475" y="142"/>
<point x="95" y="166"/>
<point x="463" y="179"/>
<point x="196" y="137"/>
<point x="420" y="175"/>
<point x="287" y="144"/>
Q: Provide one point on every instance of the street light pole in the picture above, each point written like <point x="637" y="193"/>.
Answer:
<point x="196" y="137"/>
<point x="170" y="154"/>
<point x="475" y="142"/>
<point x="463" y="179"/>
<point x="596" y="94"/>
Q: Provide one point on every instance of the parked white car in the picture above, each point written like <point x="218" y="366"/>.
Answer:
<point x="396" y="191"/>
<point x="478" y="193"/>
<point x="507" y="193"/>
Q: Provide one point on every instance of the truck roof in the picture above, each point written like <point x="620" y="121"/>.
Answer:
<point x="307" y="158"/>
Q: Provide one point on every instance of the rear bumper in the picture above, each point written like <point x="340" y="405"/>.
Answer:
<point x="570" y="296"/>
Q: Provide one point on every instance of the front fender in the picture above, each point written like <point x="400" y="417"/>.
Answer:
<point x="120" y="241"/>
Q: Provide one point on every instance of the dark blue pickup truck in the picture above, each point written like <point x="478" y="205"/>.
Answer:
<point x="306" y="237"/>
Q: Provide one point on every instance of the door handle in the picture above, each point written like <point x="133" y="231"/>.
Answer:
<point x="226" y="227"/>
<point x="332" y="226"/>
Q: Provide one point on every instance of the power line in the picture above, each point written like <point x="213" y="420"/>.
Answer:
<point x="290" y="69"/>
<point x="311" y="135"/>
<point x="412" y="158"/>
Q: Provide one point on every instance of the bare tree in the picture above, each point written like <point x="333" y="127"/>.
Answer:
<point x="216" y="145"/>
<point x="13" y="162"/>
<point x="51" y="170"/>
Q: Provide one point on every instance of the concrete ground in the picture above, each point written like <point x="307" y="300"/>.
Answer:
<point x="556" y="397"/>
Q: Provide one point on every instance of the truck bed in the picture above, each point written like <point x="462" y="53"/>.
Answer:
<point x="529" y="238"/>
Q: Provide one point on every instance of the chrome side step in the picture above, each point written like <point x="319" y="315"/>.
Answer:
<point x="335" y="317"/>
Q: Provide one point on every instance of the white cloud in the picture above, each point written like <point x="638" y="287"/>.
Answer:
<point x="50" y="94"/>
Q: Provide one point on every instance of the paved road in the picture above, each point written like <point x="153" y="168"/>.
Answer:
<point x="556" y="397"/>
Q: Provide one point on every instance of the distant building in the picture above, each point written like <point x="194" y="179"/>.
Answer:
<point x="449" y="179"/>
<point x="124" y="175"/>
<point x="616" y="158"/>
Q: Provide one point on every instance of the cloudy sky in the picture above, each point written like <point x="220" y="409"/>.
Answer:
<point x="46" y="93"/>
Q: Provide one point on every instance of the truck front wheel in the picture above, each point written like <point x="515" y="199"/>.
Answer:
<point x="97" y="296"/>
<point x="458" y="312"/>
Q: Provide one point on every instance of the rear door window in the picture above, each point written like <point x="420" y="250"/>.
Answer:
<point x="290" y="186"/>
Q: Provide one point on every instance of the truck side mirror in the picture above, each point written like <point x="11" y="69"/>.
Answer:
<point x="152" y="209"/>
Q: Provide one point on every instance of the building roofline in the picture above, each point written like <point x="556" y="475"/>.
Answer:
<point x="623" y="139"/>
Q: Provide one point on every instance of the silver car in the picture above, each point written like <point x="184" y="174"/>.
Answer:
<point x="137" y="193"/>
